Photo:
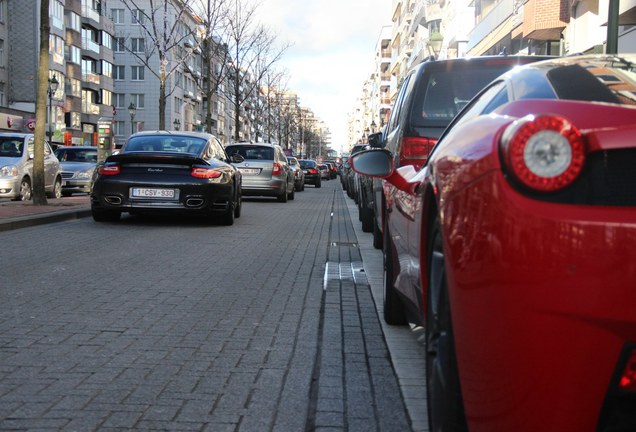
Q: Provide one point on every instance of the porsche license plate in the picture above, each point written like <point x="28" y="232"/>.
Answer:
<point x="151" y="193"/>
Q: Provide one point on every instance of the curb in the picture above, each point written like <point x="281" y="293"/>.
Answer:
<point x="41" y="219"/>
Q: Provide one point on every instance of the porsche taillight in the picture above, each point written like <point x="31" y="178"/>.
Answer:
<point x="109" y="169"/>
<point x="277" y="169"/>
<point x="205" y="173"/>
<point x="415" y="150"/>
<point x="545" y="153"/>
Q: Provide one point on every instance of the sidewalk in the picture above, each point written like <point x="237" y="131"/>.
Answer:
<point x="20" y="214"/>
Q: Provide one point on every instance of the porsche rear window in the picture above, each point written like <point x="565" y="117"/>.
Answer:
<point x="165" y="144"/>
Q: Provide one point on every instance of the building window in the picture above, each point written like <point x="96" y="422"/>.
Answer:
<point x="107" y="68"/>
<point x="119" y="100"/>
<point x="73" y="21"/>
<point x="137" y="45"/>
<point x="76" y="120"/>
<point x="119" y="128"/>
<point x="56" y="10"/>
<point x="107" y="97"/>
<point x="120" y="44"/>
<point x="107" y="40"/>
<point x="76" y="87"/>
<point x="119" y="16"/>
<point x="2" y="99"/>
<point x="138" y="100"/>
<point x="74" y="54"/>
<point x="137" y="16"/>
<point x="137" y="73"/>
<point x="2" y="53"/>
<point x="3" y="5"/>
<point x="56" y="48"/>
<point x="119" y="73"/>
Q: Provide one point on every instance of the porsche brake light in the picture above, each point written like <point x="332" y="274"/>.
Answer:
<point x="545" y="153"/>
<point x="277" y="169"/>
<point x="627" y="381"/>
<point x="109" y="170"/>
<point x="205" y="173"/>
<point x="415" y="150"/>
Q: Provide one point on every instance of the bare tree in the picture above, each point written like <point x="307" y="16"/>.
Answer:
<point x="39" y="192"/>
<point x="214" y="53"/>
<point x="251" y="51"/>
<point x="164" y="27"/>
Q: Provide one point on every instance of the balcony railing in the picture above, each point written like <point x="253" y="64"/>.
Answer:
<point x="89" y="12"/>
<point x="92" y="78"/>
<point x="90" y="45"/>
<point x="90" y="108"/>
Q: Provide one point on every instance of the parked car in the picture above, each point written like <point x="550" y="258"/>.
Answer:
<point x="312" y="175"/>
<point x="514" y="247"/>
<point x="77" y="164"/>
<point x="16" y="168"/>
<point x="333" y="171"/>
<point x="430" y="95"/>
<point x="324" y="171"/>
<point x="265" y="170"/>
<point x="349" y="174"/>
<point x="168" y="172"/>
<point x="299" y="174"/>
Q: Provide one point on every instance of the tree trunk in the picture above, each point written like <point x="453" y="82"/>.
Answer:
<point x="39" y="193"/>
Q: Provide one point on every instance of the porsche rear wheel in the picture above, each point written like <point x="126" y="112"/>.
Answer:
<point x="445" y="406"/>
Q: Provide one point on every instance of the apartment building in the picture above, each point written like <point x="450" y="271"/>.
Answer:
<point x="81" y="57"/>
<point x="424" y="29"/>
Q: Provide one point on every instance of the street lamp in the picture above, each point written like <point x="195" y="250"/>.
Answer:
<point x="177" y="124"/>
<point x="373" y="126"/>
<point x="132" y="110"/>
<point x="53" y="84"/>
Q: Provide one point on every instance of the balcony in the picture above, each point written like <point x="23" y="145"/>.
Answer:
<point x="90" y="108"/>
<point x="91" y="13"/>
<point x="90" y="45"/>
<point x="91" y="78"/>
<point x="554" y="17"/>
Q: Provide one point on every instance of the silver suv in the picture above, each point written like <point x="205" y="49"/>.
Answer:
<point x="16" y="168"/>
<point x="265" y="170"/>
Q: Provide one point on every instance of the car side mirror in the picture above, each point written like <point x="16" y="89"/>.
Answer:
<point x="375" y="140"/>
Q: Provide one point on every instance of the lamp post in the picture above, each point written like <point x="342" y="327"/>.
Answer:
<point x="373" y="126"/>
<point x="132" y="110"/>
<point x="53" y="84"/>
<point x="177" y="124"/>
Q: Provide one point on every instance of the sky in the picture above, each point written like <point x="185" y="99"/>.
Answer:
<point x="331" y="54"/>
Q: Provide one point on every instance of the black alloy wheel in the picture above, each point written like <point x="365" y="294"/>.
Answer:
<point x="239" y="205"/>
<point x="283" y="197"/>
<point x="445" y="406"/>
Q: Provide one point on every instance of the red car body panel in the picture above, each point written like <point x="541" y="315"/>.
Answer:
<point x="543" y="294"/>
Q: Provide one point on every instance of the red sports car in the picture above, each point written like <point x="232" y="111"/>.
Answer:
<point x="515" y="247"/>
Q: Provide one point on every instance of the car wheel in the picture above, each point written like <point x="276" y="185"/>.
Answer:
<point x="229" y="215"/>
<point x="57" y="189"/>
<point x="318" y="183"/>
<point x="239" y="205"/>
<point x="445" y="407"/>
<point x="292" y="195"/>
<point x="26" y="193"/>
<point x="393" y="308"/>
<point x="283" y="197"/>
<point x="101" y="215"/>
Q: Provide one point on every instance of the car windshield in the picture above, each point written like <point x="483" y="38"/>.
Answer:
<point x="70" y="154"/>
<point x="167" y="143"/>
<point x="11" y="146"/>
<point x="251" y="152"/>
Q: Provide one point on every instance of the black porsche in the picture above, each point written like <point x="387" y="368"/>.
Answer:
<point x="168" y="171"/>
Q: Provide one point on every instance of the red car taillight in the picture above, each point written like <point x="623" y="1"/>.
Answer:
<point x="205" y="173"/>
<point x="545" y="153"/>
<point x="277" y="169"/>
<point x="312" y="171"/>
<point x="415" y="150"/>
<point x="627" y="380"/>
<point x="109" y="170"/>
